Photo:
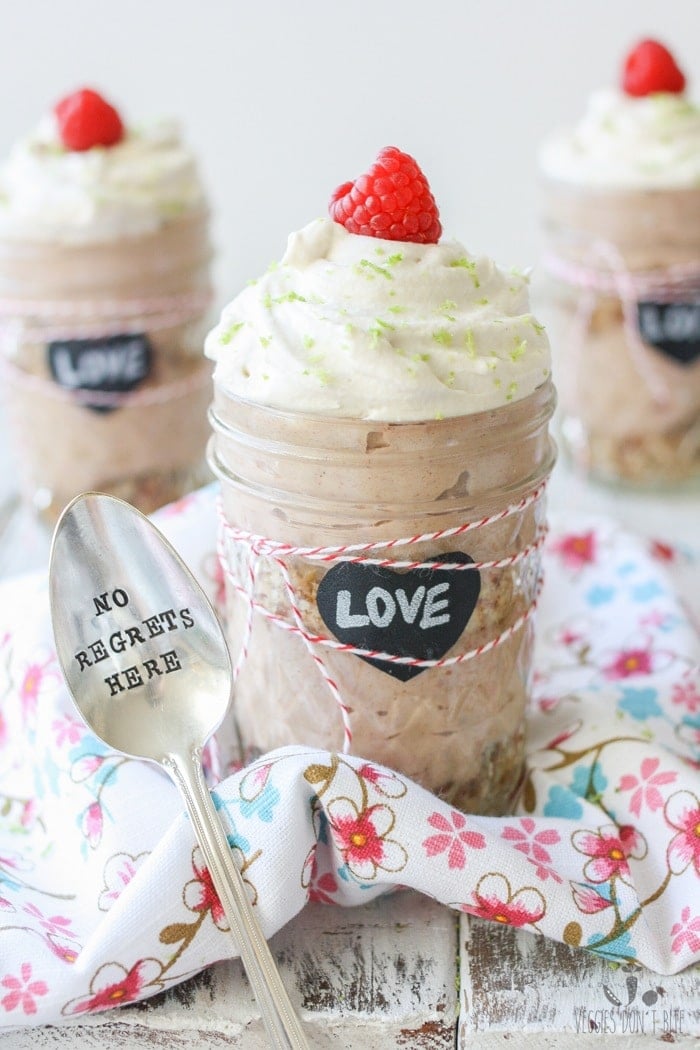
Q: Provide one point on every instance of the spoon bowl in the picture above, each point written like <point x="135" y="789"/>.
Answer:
<point x="146" y="662"/>
<point x="141" y="648"/>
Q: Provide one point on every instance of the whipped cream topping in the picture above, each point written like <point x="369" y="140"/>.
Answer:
<point x="625" y="142"/>
<point x="358" y="327"/>
<point x="50" y="193"/>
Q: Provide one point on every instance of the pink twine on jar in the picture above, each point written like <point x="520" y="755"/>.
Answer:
<point x="260" y="546"/>
<point x="667" y="285"/>
<point x="99" y="318"/>
<point x="161" y="393"/>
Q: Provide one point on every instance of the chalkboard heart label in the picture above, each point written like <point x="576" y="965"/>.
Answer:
<point x="114" y="364"/>
<point x="418" y="612"/>
<point x="671" y="328"/>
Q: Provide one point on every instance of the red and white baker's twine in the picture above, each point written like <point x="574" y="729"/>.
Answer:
<point x="260" y="547"/>
<point x="669" y="285"/>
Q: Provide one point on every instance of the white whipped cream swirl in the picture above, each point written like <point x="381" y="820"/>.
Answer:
<point x="629" y="143"/>
<point x="357" y="327"/>
<point x="49" y="193"/>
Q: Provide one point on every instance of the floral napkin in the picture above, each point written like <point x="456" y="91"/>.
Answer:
<point x="104" y="898"/>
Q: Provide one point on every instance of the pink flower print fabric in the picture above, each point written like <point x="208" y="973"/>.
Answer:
<point x="603" y="852"/>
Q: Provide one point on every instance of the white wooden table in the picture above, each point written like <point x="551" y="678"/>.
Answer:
<point x="404" y="971"/>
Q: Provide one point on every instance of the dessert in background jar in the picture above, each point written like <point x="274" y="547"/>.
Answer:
<point x="622" y="223"/>
<point x="104" y="292"/>
<point x="380" y="429"/>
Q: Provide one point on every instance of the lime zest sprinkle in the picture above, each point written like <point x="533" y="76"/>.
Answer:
<point x="469" y="265"/>
<point x="496" y="381"/>
<point x="450" y="381"/>
<point x="469" y="343"/>
<point x="492" y="363"/>
<point x="396" y="309"/>
<point x="446" y="308"/>
<point x="288" y="297"/>
<point x="482" y="302"/>
<point x="265" y="341"/>
<point x="420" y="357"/>
<point x="323" y="376"/>
<point x="226" y="337"/>
<point x="512" y="387"/>
<point x="539" y="328"/>
<point x="397" y="257"/>
<point x="308" y="342"/>
<point x="439" y="415"/>
<point x="443" y="336"/>
<point x="369" y="269"/>
<point x="519" y="351"/>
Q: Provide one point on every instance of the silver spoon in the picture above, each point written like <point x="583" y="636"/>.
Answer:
<point x="146" y="662"/>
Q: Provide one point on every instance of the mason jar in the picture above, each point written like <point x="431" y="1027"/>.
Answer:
<point x="621" y="298"/>
<point x="381" y="580"/>
<point x="105" y="384"/>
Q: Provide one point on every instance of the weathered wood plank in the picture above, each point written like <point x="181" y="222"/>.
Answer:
<point x="370" y="978"/>
<point x="520" y="990"/>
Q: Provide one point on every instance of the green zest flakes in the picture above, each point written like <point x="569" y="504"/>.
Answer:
<point x="443" y="337"/>
<point x="519" y="351"/>
<point x="288" y="297"/>
<point x="369" y="269"/>
<point x="379" y="329"/>
<point x="470" y="266"/>
<point x="230" y="333"/>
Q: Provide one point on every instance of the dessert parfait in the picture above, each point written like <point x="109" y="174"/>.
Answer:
<point x="622" y="224"/>
<point x="104" y="292"/>
<point x="380" y="429"/>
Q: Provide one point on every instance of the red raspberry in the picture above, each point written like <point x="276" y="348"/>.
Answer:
<point x="650" y="68"/>
<point x="392" y="200"/>
<point x="86" y="120"/>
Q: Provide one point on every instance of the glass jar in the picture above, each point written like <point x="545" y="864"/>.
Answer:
<point x="105" y="384"/>
<point x="622" y="305"/>
<point x="377" y="649"/>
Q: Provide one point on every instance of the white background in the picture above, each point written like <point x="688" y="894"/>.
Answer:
<point x="285" y="100"/>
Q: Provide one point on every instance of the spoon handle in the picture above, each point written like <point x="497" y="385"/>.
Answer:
<point x="282" y="1024"/>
